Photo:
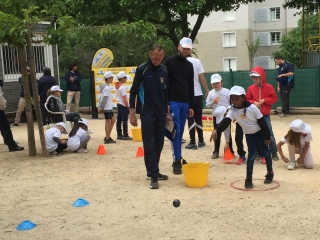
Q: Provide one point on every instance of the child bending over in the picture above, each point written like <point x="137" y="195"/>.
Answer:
<point x="298" y="140"/>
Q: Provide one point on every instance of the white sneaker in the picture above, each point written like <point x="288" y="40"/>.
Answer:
<point x="291" y="165"/>
<point x="82" y="150"/>
<point x="89" y="131"/>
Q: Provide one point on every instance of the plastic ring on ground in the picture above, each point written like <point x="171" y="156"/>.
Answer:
<point x="255" y="190"/>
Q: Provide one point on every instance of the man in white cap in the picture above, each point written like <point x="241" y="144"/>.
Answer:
<point x="180" y="96"/>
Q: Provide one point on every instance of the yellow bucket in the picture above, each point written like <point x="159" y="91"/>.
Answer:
<point x="136" y="134"/>
<point x="196" y="174"/>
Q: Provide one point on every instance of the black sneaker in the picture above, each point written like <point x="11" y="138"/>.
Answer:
<point x="274" y="156"/>
<point x="120" y="137"/>
<point x="154" y="183"/>
<point x="248" y="183"/>
<point x="201" y="144"/>
<point x="160" y="177"/>
<point x="176" y="167"/>
<point x="107" y="141"/>
<point x="269" y="178"/>
<point x="17" y="148"/>
<point x="127" y="138"/>
<point x="15" y="125"/>
<point x="191" y="146"/>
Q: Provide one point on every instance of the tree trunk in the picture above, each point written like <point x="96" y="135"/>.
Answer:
<point x="35" y="93"/>
<point x="27" y="97"/>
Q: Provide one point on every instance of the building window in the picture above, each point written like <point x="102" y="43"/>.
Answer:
<point x="229" y="16"/>
<point x="229" y="63"/>
<point x="229" y="39"/>
<point x="274" y="14"/>
<point x="275" y="38"/>
<point x="266" y="62"/>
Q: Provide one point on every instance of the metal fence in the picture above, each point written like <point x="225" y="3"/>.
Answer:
<point x="304" y="94"/>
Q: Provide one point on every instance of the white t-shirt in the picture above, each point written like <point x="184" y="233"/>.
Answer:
<point x="107" y="92"/>
<point x="74" y="141"/>
<point x="249" y="122"/>
<point x="223" y="94"/>
<point x="303" y="140"/>
<point x="52" y="145"/>
<point x="121" y="91"/>
<point x="197" y="70"/>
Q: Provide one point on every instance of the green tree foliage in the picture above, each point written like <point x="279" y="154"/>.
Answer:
<point x="129" y="49"/>
<point x="291" y="44"/>
<point x="310" y="5"/>
<point x="252" y="47"/>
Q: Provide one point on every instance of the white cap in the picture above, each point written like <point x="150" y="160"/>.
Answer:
<point x="219" y="113"/>
<point x="186" y="42"/>
<point x="55" y="88"/>
<point x="254" y="74"/>
<point x="84" y="121"/>
<point x="299" y="126"/>
<point x="237" y="90"/>
<point x="108" y="74"/>
<point x="122" y="75"/>
<point x="216" y="78"/>
<point x="64" y="126"/>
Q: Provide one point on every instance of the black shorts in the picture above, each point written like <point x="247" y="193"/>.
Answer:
<point x="108" y="115"/>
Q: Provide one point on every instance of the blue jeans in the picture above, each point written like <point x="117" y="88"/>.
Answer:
<point x="272" y="145"/>
<point x="251" y="142"/>
<point x="179" y="112"/>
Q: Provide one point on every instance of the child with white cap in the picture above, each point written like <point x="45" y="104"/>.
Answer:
<point x="54" y="144"/>
<point x="123" y="107"/>
<point x="254" y="127"/>
<point x="298" y="140"/>
<point x="218" y="96"/>
<point x="219" y="113"/>
<point x="78" y="138"/>
<point x="105" y="106"/>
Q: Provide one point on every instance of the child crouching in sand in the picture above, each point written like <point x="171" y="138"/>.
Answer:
<point x="78" y="138"/>
<point x="298" y="140"/>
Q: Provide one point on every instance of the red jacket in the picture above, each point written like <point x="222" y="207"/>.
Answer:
<point x="265" y="91"/>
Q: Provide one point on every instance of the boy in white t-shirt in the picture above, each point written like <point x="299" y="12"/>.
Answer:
<point x="254" y="127"/>
<point x="54" y="144"/>
<point x="105" y="106"/>
<point x="195" y="122"/>
<point x="78" y="138"/>
<point x="218" y="96"/>
<point x="123" y="107"/>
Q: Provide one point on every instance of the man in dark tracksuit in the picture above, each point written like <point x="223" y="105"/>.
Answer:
<point x="285" y="72"/>
<point x="150" y="86"/>
<point x="180" y="96"/>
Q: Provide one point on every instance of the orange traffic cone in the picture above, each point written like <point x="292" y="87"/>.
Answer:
<point x="101" y="150"/>
<point x="140" y="152"/>
<point x="228" y="155"/>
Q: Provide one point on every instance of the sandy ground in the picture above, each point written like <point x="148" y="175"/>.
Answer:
<point x="122" y="206"/>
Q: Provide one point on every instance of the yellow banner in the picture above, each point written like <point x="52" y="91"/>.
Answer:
<point x="99" y="79"/>
<point x="102" y="58"/>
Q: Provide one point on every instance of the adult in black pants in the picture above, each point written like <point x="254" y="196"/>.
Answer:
<point x="150" y="88"/>
<point x="44" y="84"/>
<point x="195" y="122"/>
<point x="5" y="126"/>
<point x="285" y="83"/>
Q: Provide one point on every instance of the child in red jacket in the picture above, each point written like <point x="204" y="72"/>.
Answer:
<point x="263" y="96"/>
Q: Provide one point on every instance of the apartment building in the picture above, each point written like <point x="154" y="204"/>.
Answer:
<point x="222" y="37"/>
